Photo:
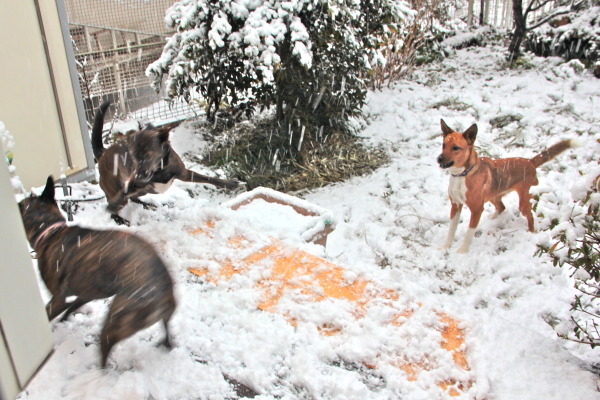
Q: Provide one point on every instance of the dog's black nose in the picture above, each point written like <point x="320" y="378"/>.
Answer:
<point x="440" y="159"/>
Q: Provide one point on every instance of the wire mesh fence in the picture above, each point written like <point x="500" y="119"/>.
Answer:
<point x="114" y="41"/>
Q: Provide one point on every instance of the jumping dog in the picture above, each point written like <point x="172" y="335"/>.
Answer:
<point x="142" y="163"/>
<point x="96" y="264"/>
<point x="476" y="180"/>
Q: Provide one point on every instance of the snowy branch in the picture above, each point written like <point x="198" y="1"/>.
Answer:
<point x="532" y="8"/>
<point x="548" y="18"/>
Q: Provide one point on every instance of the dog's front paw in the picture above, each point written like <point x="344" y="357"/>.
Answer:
<point x="445" y="246"/>
<point x="120" y="220"/>
<point x="166" y="343"/>
<point x="463" y="250"/>
<point x="234" y="184"/>
<point x="147" y="206"/>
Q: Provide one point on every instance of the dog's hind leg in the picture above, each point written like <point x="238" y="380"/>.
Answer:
<point x="122" y="321"/>
<point x="454" y="219"/>
<point x="194" y="177"/>
<point x="500" y="207"/>
<point x="525" y="205"/>
<point x="129" y="314"/>
<point x="166" y="317"/>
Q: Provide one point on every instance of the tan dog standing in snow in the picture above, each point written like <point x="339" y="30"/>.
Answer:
<point x="476" y="180"/>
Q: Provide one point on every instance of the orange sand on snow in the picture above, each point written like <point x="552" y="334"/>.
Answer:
<point x="290" y="270"/>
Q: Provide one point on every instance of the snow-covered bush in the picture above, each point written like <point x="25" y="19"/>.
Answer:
<point x="308" y="58"/>
<point x="575" y="244"/>
<point x="420" y="41"/>
<point x="476" y="37"/>
<point x="573" y="36"/>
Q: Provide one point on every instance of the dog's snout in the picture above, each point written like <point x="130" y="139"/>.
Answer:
<point x="444" y="162"/>
<point x="144" y="173"/>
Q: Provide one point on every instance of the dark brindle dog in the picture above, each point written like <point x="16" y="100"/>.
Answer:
<point x="94" y="264"/>
<point x="142" y="163"/>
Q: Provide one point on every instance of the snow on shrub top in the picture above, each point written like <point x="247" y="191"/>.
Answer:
<point x="578" y="38"/>
<point x="463" y="39"/>
<point x="255" y="27"/>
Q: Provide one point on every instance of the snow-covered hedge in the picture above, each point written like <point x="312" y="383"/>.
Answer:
<point x="295" y="54"/>
<point x="575" y="244"/>
<point x="433" y="23"/>
<point x="576" y="35"/>
<point x="466" y="39"/>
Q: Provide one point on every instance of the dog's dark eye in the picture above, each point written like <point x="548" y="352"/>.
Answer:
<point x="455" y="148"/>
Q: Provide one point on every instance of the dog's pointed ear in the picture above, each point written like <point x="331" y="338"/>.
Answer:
<point x="172" y="125"/>
<point x="471" y="134"/>
<point x="446" y="130"/>
<point x="163" y="135"/>
<point x="48" y="193"/>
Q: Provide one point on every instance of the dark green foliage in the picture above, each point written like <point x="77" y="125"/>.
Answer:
<point x="252" y="152"/>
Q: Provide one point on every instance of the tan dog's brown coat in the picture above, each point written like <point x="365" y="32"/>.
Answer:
<point x="477" y="180"/>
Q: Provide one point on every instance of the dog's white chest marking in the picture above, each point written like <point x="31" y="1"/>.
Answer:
<point x="162" y="187"/>
<point x="457" y="190"/>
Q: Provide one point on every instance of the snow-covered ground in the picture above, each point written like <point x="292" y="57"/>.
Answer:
<point x="389" y="227"/>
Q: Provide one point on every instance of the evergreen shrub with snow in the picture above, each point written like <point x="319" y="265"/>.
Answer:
<point x="573" y="36"/>
<point x="575" y="244"/>
<point x="308" y="58"/>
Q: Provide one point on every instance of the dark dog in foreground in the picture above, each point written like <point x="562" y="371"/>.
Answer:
<point x="476" y="180"/>
<point x="141" y="163"/>
<point x="94" y="264"/>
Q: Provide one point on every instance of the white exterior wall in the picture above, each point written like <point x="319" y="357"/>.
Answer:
<point x="25" y="336"/>
<point x="38" y="103"/>
<point x="41" y="107"/>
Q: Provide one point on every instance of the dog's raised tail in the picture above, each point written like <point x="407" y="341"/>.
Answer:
<point x="554" y="151"/>
<point x="97" y="146"/>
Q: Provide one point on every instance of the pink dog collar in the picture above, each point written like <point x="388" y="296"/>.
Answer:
<point x="47" y="231"/>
